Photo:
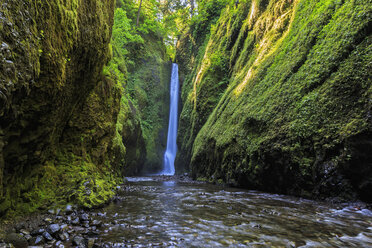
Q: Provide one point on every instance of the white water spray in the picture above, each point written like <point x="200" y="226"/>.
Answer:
<point x="170" y="153"/>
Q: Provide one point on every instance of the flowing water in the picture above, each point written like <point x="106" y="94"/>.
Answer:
<point x="165" y="212"/>
<point x="170" y="153"/>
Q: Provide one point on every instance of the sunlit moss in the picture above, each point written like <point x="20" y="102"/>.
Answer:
<point x="296" y="98"/>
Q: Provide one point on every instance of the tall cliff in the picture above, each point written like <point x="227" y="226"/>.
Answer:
<point x="277" y="97"/>
<point x="57" y="111"/>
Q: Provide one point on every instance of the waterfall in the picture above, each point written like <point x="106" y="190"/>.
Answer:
<point x="170" y="153"/>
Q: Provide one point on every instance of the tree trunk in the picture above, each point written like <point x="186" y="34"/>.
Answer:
<point x="138" y="14"/>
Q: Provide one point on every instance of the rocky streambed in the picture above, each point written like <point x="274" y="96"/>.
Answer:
<point x="176" y="212"/>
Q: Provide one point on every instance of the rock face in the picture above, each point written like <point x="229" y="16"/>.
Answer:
<point x="278" y="98"/>
<point x="57" y="112"/>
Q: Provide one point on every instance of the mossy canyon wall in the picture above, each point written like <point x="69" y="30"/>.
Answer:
<point x="277" y="97"/>
<point x="57" y="112"/>
<point x="79" y="109"/>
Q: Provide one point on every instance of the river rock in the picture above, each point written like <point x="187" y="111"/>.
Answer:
<point x="91" y="242"/>
<point x="76" y="221"/>
<point x="59" y="244"/>
<point x="47" y="236"/>
<point x="28" y="237"/>
<point x="85" y="216"/>
<point x="64" y="236"/>
<point x="24" y="232"/>
<point x="17" y="240"/>
<point x="80" y="241"/>
<point x="97" y="223"/>
<point x="39" y="240"/>
<point x="37" y="232"/>
<point x="54" y="228"/>
<point x="69" y="209"/>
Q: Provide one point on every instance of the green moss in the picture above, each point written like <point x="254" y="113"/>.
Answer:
<point x="296" y="96"/>
<point x="56" y="103"/>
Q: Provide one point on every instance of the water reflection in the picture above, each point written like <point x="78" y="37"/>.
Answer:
<point x="169" y="183"/>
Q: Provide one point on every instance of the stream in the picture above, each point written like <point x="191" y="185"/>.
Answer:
<point x="170" y="211"/>
<point x="187" y="214"/>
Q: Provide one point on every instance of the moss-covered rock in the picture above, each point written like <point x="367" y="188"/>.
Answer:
<point x="279" y="99"/>
<point x="57" y="113"/>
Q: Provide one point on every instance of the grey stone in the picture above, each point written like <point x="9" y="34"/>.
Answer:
<point x="47" y="236"/>
<point x="39" y="240"/>
<point x="53" y="228"/>
<point x="85" y="216"/>
<point x="16" y="239"/>
<point x="69" y="209"/>
<point x="80" y="241"/>
<point x="64" y="236"/>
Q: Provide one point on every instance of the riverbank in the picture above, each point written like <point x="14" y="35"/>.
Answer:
<point x="175" y="210"/>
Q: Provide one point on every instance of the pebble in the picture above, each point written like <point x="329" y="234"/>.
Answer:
<point x="85" y="216"/>
<point x="25" y="232"/>
<point x="76" y="221"/>
<point x="47" y="236"/>
<point x="39" y="240"/>
<point x="79" y="241"/>
<point x="16" y="240"/>
<point x="69" y="209"/>
<point x="97" y="223"/>
<point x="37" y="232"/>
<point x="54" y="228"/>
<point x="64" y="236"/>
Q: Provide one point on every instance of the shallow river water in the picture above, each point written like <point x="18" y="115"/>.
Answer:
<point x="184" y="214"/>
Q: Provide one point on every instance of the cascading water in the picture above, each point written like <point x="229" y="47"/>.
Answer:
<point x="170" y="153"/>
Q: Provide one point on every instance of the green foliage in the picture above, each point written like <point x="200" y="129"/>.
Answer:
<point x="140" y="67"/>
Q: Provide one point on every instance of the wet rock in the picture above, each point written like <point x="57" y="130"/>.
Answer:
<point x="68" y="219"/>
<point x="85" y="216"/>
<point x="37" y="232"/>
<point x="48" y="220"/>
<point x="97" y="223"/>
<point x="64" y="236"/>
<point x="47" y="236"/>
<point x="17" y="240"/>
<point x="91" y="242"/>
<point x="24" y="232"/>
<point x="39" y="240"/>
<point x="64" y="226"/>
<point x="54" y="228"/>
<point x="19" y="227"/>
<point x="80" y="241"/>
<point x="28" y="237"/>
<point x="69" y="209"/>
<point x="59" y="244"/>
<point x="76" y="221"/>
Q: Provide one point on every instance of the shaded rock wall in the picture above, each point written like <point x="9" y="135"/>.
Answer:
<point x="278" y="98"/>
<point x="57" y="112"/>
